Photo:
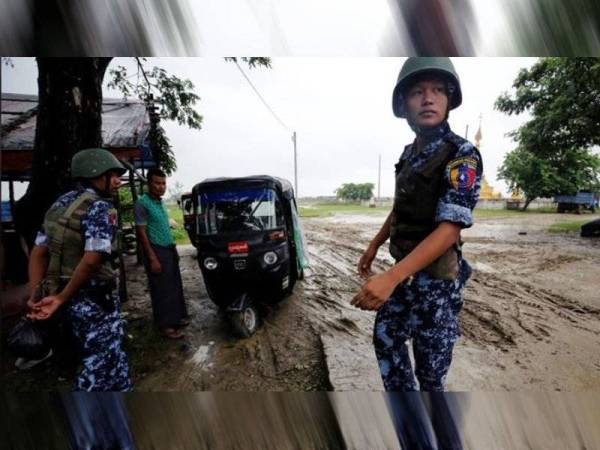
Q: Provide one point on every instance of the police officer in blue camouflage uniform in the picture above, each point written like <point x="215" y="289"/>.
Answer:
<point x="72" y="267"/>
<point x="437" y="187"/>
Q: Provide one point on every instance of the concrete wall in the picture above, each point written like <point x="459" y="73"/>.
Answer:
<point x="501" y="204"/>
<point x="387" y="202"/>
<point x="491" y="204"/>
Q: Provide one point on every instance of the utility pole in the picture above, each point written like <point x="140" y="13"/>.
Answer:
<point x="379" y="181"/>
<point x="295" y="164"/>
<point x="467" y="132"/>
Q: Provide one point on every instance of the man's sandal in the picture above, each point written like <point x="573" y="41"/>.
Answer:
<point x="171" y="333"/>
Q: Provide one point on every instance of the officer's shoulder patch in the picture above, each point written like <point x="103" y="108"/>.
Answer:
<point x="461" y="173"/>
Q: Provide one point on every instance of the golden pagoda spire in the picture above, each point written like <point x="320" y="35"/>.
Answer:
<point x="478" y="135"/>
<point x="487" y="191"/>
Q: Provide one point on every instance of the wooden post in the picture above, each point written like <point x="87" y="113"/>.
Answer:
<point x="122" y="273"/>
<point x="134" y="197"/>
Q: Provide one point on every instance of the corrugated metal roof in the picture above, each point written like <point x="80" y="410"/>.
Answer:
<point x="125" y="123"/>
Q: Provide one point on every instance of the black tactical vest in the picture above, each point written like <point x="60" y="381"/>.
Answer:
<point x="415" y="203"/>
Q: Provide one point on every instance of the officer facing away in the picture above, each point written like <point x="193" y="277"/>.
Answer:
<point x="437" y="187"/>
<point x="72" y="265"/>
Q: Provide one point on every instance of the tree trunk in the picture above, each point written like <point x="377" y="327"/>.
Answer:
<point x="527" y="202"/>
<point x="69" y="119"/>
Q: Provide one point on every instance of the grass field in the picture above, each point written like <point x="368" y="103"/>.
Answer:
<point x="329" y="209"/>
<point x="567" y="227"/>
<point x="179" y="233"/>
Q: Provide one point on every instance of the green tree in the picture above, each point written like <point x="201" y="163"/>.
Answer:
<point x="563" y="97"/>
<point x="355" y="192"/>
<point x="554" y="152"/>
<point x="365" y="191"/>
<point x="346" y="191"/>
<point x="174" y="97"/>
<point x="537" y="176"/>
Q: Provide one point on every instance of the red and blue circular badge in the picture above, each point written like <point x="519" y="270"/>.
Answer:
<point x="112" y="217"/>
<point x="461" y="173"/>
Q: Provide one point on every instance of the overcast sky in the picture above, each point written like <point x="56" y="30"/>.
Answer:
<point x="340" y="108"/>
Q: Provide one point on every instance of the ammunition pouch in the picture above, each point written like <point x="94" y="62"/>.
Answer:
<point x="446" y="267"/>
<point x="45" y="288"/>
<point x="102" y="294"/>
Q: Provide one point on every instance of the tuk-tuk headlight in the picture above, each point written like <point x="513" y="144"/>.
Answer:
<point x="210" y="263"/>
<point x="270" y="258"/>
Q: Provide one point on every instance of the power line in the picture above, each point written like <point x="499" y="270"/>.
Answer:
<point x="261" y="98"/>
<point x="294" y="138"/>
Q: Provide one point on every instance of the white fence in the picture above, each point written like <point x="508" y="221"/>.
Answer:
<point x="481" y="204"/>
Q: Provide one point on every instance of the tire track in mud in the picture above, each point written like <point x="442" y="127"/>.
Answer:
<point x="518" y="311"/>
<point x="284" y="355"/>
<point x="505" y="308"/>
<point x="345" y="331"/>
<point x="513" y="326"/>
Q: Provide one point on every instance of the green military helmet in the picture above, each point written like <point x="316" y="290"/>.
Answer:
<point x="93" y="162"/>
<point x="419" y="66"/>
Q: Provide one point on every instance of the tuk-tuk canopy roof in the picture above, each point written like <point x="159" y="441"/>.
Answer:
<point x="280" y="184"/>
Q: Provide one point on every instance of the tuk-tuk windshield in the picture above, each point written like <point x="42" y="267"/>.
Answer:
<point x="252" y="209"/>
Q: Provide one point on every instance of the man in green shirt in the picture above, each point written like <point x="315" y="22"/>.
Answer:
<point x="161" y="259"/>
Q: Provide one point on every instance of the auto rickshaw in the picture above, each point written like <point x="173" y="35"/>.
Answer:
<point x="250" y="244"/>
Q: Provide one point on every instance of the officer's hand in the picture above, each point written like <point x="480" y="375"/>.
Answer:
<point x="375" y="292"/>
<point x="155" y="266"/>
<point x="31" y="302"/>
<point x="364" y="264"/>
<point x="45" y="308"/>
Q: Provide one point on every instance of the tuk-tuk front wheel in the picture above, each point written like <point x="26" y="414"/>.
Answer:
<point x="245" y="322"/>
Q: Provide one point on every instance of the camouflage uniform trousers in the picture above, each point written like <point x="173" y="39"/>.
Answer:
<point x="99" y="333"/>
<point x="426" y="311"/>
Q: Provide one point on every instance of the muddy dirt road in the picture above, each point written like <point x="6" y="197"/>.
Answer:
<point x="530" y="321"/>
<point x="531" y="317"/>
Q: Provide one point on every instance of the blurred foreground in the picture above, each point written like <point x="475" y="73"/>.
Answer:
<point x="283" y="421"/>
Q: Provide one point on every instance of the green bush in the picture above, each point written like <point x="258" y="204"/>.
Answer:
<point x="126" y="200"/>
